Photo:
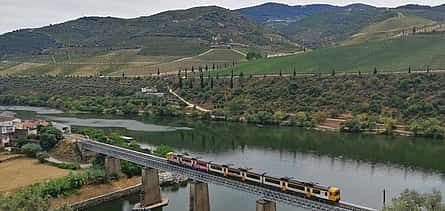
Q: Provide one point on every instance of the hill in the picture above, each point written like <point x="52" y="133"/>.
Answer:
<point x="395" y="54"/>
<point x="173" y="33"/>
<point x="316" y="26"/>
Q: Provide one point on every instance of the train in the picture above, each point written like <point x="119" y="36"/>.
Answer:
<point x="310" y="190"/>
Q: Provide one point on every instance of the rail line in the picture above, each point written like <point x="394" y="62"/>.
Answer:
<point x="161" y="164"/>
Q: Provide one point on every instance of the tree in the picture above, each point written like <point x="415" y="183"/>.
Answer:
<point x="389" y="125"/>
<point x="211" y="82"/>
<point x="253" y="56"/>
<point x="231" y="80"/>
<point x="410" y="200"/>
<point x="179" y="79"/>
<point x="375" y="70"/>
<point x="162" y="150"/>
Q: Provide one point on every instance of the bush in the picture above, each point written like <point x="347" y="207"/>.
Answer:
<point x="69" y="166"/>
<point x="352" y="126"/>
<point x="42" y="156"/>
<point x="427" y="127"/>
<point x="31" y="149"/>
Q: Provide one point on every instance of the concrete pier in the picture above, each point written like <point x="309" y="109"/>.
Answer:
<point x="152" y="190"/>
<point x="199" y="196"/>
<point x="113" y="166"/>
<point x="265" y="205"/>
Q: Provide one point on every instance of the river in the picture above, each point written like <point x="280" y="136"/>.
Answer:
<point x="361" y="165"/>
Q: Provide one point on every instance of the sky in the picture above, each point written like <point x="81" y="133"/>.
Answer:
<point x="19" y="14"/>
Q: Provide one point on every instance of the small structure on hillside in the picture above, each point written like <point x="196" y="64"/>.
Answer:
<point x="152" y="92"/>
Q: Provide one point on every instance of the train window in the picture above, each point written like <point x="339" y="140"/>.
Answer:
<point x="316" y="191"/>
<point x="253" y="176"/>
<point x="294" y="186"/>
<point x="326" y="193"/>
<point x="234" y="171"/>
<point x="216" y="168"/>
<point x="273" y="181"/>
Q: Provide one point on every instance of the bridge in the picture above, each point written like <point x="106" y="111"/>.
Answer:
<point x="199" y="189"/>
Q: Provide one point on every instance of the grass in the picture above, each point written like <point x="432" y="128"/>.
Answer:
<point x="25" y="171"/>
<point x="388" y="55"/>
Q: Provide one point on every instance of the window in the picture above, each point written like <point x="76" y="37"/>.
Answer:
<point x="315" y="191"/>
<point x="274" y="181"/>
<point x="216" y="167"/>
<point x="295" y="186"/>
<point x="233" y="171"/>
<point x="253" y="176"/>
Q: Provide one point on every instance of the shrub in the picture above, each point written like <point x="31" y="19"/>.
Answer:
<point x="352" y="126"/>
<point x="31" y="149"/>
<point x="42" y="156"/>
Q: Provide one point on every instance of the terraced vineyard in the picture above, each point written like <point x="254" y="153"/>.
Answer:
<point x="393" y="55"/>
<point x="130" y="62"/>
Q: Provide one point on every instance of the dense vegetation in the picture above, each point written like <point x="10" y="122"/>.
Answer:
<point x="415" y="99"/>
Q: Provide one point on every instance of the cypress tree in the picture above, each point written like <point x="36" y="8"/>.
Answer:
<point x="375" y="70"/>
<point x="231" y="80"/>
<point x="211" y="82"/>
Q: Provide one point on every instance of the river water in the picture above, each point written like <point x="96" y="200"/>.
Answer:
<point x="361" y="165"/>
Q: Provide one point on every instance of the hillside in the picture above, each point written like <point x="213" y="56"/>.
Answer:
<point x="316" y="26"/>
<point x="117" y="62"/>
<point x="395" y="54"/>
<point x="173" y="33"/>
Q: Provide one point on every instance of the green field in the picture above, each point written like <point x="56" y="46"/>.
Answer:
<point x="389" y="55"/>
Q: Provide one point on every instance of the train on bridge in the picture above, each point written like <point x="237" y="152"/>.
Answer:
<point x="287" y="185"/>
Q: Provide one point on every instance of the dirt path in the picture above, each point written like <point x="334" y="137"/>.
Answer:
<point x="188" y="103"/>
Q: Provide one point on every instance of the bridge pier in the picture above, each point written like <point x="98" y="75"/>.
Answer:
<point x="199" y="196"/>
<point x="265" y="205"/>
<point x="113" y="167"/>
<point x="151" y="191"/>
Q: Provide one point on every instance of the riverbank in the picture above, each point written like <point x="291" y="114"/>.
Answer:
<point x="92" y="195"/>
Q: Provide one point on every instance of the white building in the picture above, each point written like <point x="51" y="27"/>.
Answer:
<point x="7" y="129"/>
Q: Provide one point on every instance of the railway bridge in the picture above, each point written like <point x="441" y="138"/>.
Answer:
<point x="199" y="199"/>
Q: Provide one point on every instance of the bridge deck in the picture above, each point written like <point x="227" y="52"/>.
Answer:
<point x="161" y="164"/>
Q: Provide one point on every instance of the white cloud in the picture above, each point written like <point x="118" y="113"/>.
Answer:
<point x="15" y="14"/>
